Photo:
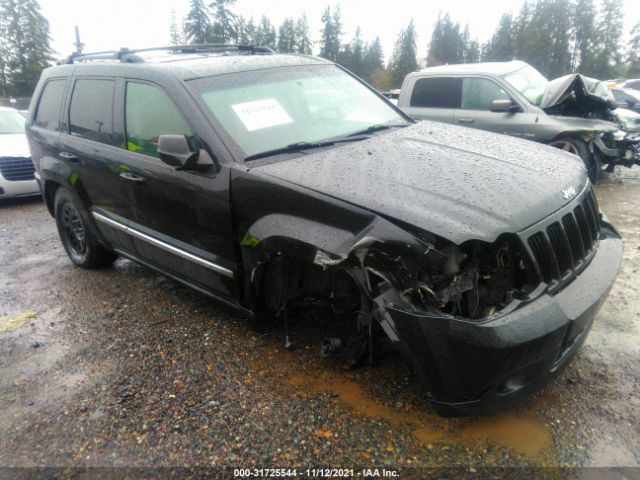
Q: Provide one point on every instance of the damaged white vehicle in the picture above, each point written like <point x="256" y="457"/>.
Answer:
<point x="574" y="113"/>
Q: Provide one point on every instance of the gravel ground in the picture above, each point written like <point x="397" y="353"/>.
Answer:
<point x="124" y="367"/>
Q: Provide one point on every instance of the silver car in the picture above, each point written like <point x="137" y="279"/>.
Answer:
<point x="574" y="113"/>
<point x="16" y="169"/>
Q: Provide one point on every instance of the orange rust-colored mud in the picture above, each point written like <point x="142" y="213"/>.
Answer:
<point x="523" y="433"/>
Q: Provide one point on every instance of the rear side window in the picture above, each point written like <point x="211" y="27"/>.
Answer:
<point x="478" y="93"/>
<point x="91" y="110"/>
<point x="48" y="112"/>
<point x="436" y="92"/>
<point x="149" y="113"/>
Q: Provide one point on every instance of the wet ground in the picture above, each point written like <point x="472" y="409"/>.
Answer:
<point x="123" y="367"/>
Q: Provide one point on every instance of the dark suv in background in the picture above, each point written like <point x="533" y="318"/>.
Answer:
<point x="262" y="180"/>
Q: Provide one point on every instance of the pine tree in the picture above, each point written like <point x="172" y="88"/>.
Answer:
<point x="337" y="28"/>
<point x="633" y="52"/>
<point x="521" y="30"/>
<point x="547" y="46"/>
<point x="197" y="22"/>
<point x="240" y="30"/>
<point x="355" y="58"/>
<point x="585" y="36"/>
<point x="287" y="39"/>
<point x="609" y="26"/>
<point x="303" y="41"/>
<point x="25" y="46"/>
<point x="501" y="45"/>
<point x="266" y="33"/>
<point x="5" y="48"/>
<point x="174" y="36"/>
<point x="373" y="57"/>
<point x="223" y="28"/>
<point x="447" y="43"/>
<point x="403" y="59"/>
<point x="248" y="33"/>
<point x="331" y="34"/>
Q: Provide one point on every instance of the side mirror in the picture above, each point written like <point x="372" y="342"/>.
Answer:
<point x="175" y="150"/>
<point x="504" y="105"/>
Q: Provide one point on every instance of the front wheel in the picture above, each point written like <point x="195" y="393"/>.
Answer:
<point x="580" y="148"/>
<point x="78" y="240"/>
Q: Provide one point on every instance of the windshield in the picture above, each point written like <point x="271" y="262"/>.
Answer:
<point x="11" y="122"/>
<point x="529" y="82"/>
<point x="265" y="110"/>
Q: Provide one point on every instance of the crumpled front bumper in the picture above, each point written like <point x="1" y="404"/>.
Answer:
<point x="475" y="368"/>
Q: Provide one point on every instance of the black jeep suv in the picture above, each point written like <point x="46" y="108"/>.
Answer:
<point x="262" y="179"/>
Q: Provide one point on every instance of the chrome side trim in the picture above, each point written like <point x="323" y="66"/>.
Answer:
<point x="163" y="245"/>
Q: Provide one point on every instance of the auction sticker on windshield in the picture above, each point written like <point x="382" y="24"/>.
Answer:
<point x="261" y="114"/>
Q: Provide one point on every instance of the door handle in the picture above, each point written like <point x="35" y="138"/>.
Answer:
<point x="466" y="120"/>
<point x="68" y="156"/>
<point x="132" y="177"/>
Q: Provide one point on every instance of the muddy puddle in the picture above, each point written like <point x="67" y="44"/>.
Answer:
<point x="524" y="433"/>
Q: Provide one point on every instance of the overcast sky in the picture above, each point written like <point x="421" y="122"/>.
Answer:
<point x="111" y="24"/>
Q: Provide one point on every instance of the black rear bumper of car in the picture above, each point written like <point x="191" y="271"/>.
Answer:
<point x="474" y="368"/>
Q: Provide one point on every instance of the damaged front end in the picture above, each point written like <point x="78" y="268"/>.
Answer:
<point x="575" y="95"/>
<point x="483" y="324"/>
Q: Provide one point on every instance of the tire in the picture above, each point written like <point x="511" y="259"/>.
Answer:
<point x="579" y="147"/>
<point x="72" y="220"/>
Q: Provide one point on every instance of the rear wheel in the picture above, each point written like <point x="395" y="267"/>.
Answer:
<point x="78" y="240"/>
<point x="580" y="148"/>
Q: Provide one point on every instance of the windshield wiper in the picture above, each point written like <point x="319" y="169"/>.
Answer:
<point x="301" y="146"/>
<point x="378" y="127"/>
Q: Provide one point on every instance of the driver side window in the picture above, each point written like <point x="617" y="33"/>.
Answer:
<point x="149" y="113"/>
<point x="478" y="93"/>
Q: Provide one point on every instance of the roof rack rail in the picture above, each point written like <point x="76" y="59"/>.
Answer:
<point x="126" y="55"/>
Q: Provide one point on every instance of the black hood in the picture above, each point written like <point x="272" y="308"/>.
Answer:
<point x="456" y="182"/>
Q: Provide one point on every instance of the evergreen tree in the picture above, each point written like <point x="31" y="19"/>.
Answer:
<point x="355" y="58"/>
<point x="303" y="39"/>
<point x="266" y="33"/>
<point x="373" y="57"/>
<point x="287" y="38"/>
<point x="5" y="48"/>
<point x="345" y="55"/>
<point x="330" y="34"/>
<point x="471" y="51"/>
<point x="609" y="27"/>
<point x="547" y="44"/>
<point x="247" y="31"/>
<point x="403" y="59"/>
<point x="223" y="28"/>
<point x="447" y="43"/>
<point x="197" y="22"/>
<point x="633" y="52"/>
<point x="174" y="36"/>
<point x="24" y="46"/>
<point x="240" y="27"/>
<point x="501" y="45"/>
<point x="585" y="36"/>
<point x="521" y="30"/>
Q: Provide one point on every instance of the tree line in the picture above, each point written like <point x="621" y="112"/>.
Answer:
<point x="216" y="22"/>
<point x="555" y="36"/>
<point x="24" y="46"/>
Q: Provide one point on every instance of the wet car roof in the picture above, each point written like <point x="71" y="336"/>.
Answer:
<point x="495" y="68"/>
<point x="191" y="66"/>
